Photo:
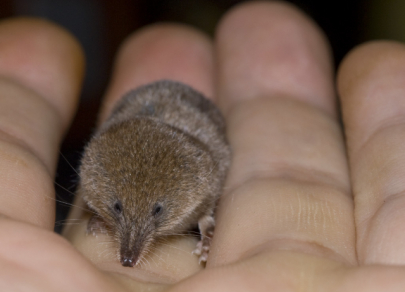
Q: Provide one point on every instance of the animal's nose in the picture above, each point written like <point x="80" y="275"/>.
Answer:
<point x="128" y="261"/>
<point x="129" y="253"/>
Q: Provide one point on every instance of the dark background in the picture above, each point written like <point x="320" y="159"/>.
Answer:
<point x="101" y="25"/>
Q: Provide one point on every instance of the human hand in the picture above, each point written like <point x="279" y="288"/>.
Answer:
<point x="286" y="220"/>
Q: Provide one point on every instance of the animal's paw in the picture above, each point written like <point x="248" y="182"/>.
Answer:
<point x="206" y="225"/>
<point x="202" y="249"/>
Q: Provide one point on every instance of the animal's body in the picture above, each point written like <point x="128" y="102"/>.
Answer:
<point x="155" y="168"/>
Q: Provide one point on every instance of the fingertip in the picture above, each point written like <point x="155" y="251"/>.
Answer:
<point x="161" y="51"/>
<point x="44" y="57"/>
<point x="272" y="48"/>
<point x="369" y="76"/>
<point x="373" y="57"/>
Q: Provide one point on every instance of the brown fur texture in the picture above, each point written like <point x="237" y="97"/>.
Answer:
<point x="156" y="167"/>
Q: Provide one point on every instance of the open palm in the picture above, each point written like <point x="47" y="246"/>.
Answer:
<point x="303" y="208"/>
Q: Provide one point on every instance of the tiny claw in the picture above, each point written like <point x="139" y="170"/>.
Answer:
<point x="203" y="258"/>
<point x="198" y="249"/>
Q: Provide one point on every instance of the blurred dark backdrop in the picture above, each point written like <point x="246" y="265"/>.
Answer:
<point x="101" y="25"/>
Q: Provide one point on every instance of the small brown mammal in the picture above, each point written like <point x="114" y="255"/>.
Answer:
<point x="155" y="168"/>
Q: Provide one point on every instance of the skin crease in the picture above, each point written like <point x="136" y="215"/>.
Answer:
<point x="286" y="220"/>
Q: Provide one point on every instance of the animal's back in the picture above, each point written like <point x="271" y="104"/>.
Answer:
<point x="180" y="106"/>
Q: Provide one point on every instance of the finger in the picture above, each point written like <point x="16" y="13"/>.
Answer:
<point x="158" y="52"/>
<point x="288" y="187"/>
<point x="41" y="68"/>
<point x="161" y="52"/>
<point x="34" y="259"/>
<point x="371" y="88"/>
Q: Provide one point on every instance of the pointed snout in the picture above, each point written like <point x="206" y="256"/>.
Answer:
<point x="130" y="252"/>
<point x="131" y="248"/>
<point x="128" y="258"/>
<point x="128" y="262"/>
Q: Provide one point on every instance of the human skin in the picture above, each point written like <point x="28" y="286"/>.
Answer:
<point x="291" y="217"/>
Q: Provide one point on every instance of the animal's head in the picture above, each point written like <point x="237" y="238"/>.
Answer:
<point x="145" y="180"/>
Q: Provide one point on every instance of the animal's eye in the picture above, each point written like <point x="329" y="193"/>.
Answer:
<point x="157" y="210"/>
<point x="118" y="207"/>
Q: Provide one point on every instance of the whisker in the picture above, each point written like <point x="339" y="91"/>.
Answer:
<point x="67" y="161"/>
<point x="174" y="247"/>
<point x="73" y="205"/>
<point x="63" y="188"/>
